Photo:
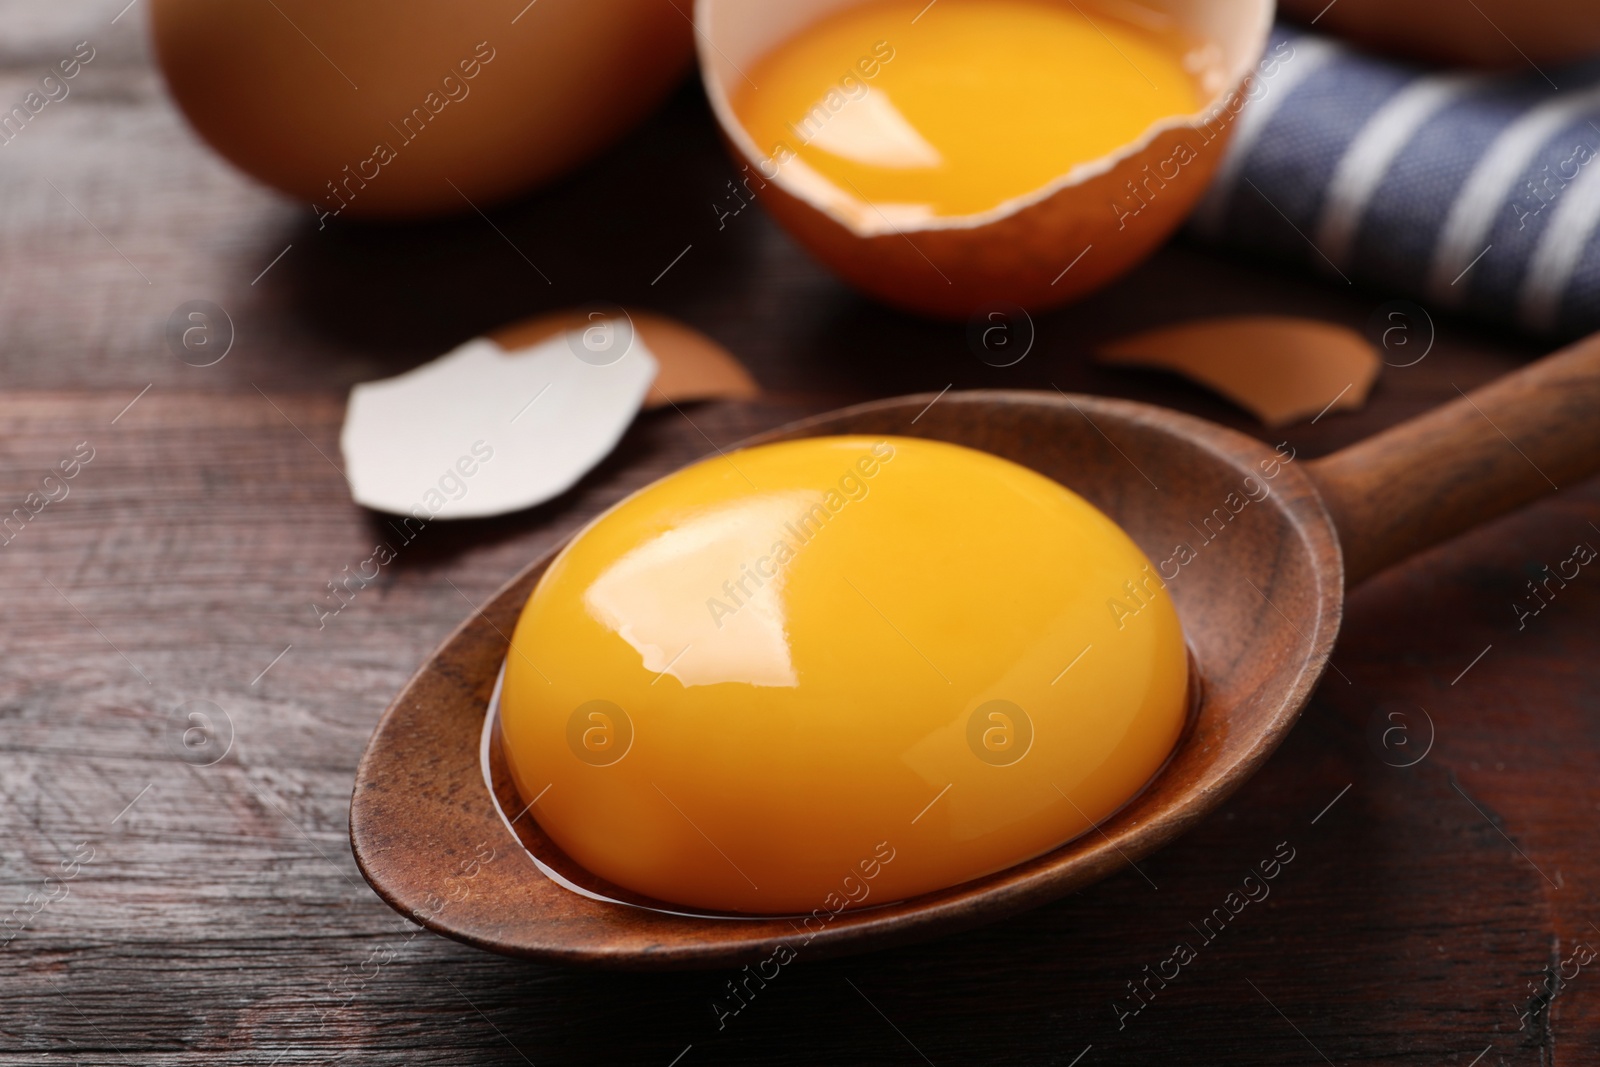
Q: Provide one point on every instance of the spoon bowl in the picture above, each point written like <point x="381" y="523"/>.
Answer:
<point x="1255" y="543"/>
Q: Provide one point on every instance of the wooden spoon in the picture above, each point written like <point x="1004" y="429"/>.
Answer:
<point x="1260" y="602"/>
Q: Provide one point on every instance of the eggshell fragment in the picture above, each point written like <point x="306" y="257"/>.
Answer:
<point x="1279" y="368"/>
<point x="478" y="432"/>
<point x="692" y="365"/>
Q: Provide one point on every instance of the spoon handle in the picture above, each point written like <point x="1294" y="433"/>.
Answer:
<point x="1482" y="455"/>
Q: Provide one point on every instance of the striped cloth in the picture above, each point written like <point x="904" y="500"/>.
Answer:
<point x="1469" y="192"/>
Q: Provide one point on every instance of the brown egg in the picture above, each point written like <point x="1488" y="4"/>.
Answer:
<point x="1056" y="243"/>
<point x="1476" y="33"/>
<point x="414" y="107"/>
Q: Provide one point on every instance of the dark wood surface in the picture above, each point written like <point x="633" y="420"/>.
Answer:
<point x="221" y="918"/>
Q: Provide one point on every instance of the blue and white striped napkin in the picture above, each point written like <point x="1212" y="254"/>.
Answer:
<point x="1477" y="193"/>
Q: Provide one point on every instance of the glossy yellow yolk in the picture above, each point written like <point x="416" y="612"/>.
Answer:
<point x="973" y="103"/>
<point x="838" y="671"/>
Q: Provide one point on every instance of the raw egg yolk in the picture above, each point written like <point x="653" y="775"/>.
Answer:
<point x="838" y="671"/>
<point x="956" y="107"/>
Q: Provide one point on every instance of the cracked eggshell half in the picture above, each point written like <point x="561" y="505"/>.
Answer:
<point x="480" y="431"/>
<point x="951" y="266"/>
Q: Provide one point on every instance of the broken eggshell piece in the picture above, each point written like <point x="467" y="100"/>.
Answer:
<point x="691" y="365"/>
<point x="1281" y="369"/>
<point x="480" y="431"/>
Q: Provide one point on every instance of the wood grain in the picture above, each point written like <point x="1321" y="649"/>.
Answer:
<point x="222" y="919"/>
<point x="1475" y="458"/>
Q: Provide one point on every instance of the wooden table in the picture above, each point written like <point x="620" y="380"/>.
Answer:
<point x="214" y="913"/>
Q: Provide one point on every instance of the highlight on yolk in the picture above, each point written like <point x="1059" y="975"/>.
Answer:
<point x="955" y="108"/>
<point x="838" y="671"/>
